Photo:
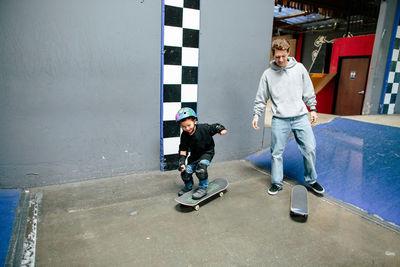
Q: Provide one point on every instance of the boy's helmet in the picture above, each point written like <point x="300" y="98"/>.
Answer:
<point x="184" y="113"/>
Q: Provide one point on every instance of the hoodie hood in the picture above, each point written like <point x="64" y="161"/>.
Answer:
<point x="291" y="63"/>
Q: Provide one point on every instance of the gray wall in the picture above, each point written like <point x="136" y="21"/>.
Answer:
<point x="79" y="89"/>
<point x="384" y="29"/>
<point x="80" y="85"/>
<point x="234" y="52"/>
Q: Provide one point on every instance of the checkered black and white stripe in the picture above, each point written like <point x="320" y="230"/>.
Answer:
<point x="392" y="86"/>
<point x="179" y="71"/>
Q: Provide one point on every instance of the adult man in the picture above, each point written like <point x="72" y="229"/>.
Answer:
<point x="289" y="86"/>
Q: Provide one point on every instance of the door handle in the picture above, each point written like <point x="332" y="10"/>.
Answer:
<point x="361" y="92"/>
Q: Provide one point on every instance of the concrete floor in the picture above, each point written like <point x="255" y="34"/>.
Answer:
<point x="134" y="220"/>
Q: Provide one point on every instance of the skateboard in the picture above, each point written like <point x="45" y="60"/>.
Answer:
<point x="215" y="187"/>
<point x="299" y="202"/>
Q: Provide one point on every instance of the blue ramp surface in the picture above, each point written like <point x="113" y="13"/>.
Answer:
<point x="8" y="209"/>
<point x="357" y="163"/>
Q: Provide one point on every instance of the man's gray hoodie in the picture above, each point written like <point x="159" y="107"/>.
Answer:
<point x="290" y="89"/>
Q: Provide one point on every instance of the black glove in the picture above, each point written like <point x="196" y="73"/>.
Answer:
<point x="182" y="161"/>
<point x="220" y="128"/>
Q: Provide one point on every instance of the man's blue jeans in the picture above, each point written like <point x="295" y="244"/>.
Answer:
<point x="190" y="168"/>
<point x="281" y="129"/>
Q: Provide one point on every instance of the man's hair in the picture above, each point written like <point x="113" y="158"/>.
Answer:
<point x="280" y="44"/>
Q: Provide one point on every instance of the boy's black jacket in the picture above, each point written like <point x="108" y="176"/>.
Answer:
<point x="201" y="143"/>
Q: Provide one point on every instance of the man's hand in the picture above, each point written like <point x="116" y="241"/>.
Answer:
<point x="223" y="132"/>
<point x="255" y="123"/>
<point x="313" y="117"/>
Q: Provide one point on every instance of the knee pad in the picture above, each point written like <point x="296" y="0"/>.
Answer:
<point x="186" y="177"/>
<point x="201" y="171"/>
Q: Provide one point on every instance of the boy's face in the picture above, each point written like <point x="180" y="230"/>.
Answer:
<point x="188" y="126"/>
<point x="281" y="57"/>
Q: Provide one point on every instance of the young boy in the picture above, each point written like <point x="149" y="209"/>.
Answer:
<point x="198" y="140"/>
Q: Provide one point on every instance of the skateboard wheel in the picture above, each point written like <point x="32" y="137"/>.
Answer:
<point x="221" y="194"/>
<point x="197" y="207"/>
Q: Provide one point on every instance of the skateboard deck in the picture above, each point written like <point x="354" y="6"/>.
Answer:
<point x="214" y="187"/>
<point x="299" y="202"/>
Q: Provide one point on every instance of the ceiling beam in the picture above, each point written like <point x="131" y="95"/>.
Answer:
<point x="300" y="24"/>
<point x="329" y="4"/>
<point x="335" y="8"/>
<point x="305" y="13"/>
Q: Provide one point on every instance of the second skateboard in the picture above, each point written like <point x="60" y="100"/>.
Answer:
<point x="299" y="202"/>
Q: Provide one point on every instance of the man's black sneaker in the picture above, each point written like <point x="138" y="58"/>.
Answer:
<point x="199" y="193"/>
<point x="274" y="189"/>
<point x="317" y="188"/>
<point x="183" y="191"/>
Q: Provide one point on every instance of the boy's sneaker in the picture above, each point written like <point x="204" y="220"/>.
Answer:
<point x="199" y="193"/>
<point x="274" y="189"/>
<point x="184" y="190"/>
<point x="317" y="188"/>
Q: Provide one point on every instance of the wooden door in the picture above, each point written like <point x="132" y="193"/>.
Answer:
<point x="351" y="86"/>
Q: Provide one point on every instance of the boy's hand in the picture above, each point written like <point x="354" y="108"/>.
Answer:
<point x="182" y="168"/>
<point x="223" y="132"/>
<point x="182" y="160"/>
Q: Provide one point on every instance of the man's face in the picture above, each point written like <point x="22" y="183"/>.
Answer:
<point x="281" y="57"/>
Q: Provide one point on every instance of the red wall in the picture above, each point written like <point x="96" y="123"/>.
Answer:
<point x="299" y="47"/>
<point x="343" y="47"/>
<point x="325" y="98"/>
<point x="353" y="46"/>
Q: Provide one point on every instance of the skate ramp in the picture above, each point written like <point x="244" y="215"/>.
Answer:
<point x="358" y="163"/>
<point x="8" y="209"/>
